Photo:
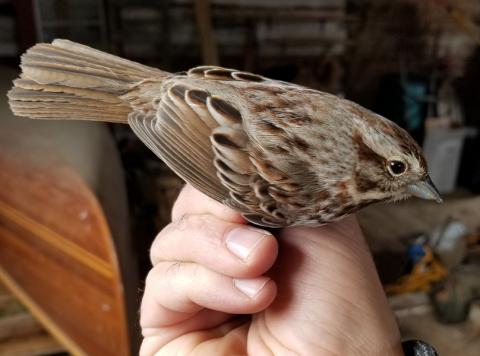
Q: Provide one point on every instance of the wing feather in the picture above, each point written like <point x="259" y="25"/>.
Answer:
<point x="160" y="142"/>
<point x="201" y="137"/>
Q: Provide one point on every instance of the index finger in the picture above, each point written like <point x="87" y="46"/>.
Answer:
<point x="191" y="202"/>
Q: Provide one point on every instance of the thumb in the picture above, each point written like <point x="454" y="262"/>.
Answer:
<point x="328" y="284"/>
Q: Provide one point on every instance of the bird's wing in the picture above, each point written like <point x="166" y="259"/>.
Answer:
<point x="180" y="137"/>
<point x="200" y="136"/>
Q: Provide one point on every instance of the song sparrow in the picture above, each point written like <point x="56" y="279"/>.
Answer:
<point x="279" y="153"/>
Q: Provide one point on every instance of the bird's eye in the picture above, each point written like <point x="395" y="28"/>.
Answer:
<point x="396" y="167"/>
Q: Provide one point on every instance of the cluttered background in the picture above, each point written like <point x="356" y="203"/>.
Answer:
<point x="80" y="203"/>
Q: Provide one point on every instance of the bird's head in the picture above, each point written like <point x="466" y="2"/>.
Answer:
<point x="390" y="164"/>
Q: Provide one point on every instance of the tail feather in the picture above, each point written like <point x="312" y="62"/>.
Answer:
<point x="67" y="80"/>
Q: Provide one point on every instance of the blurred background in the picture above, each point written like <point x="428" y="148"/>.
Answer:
<point x="80" y="203"/>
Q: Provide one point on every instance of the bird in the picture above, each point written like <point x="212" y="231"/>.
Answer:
<point x="278" y="153"/>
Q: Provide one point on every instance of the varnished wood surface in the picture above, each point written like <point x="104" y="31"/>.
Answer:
<point x="56" y="252"/>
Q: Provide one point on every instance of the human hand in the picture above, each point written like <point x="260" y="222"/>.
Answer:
<point x="213" y="290"/>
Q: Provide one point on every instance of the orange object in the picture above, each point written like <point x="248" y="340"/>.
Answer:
<point x="425" y="273"/>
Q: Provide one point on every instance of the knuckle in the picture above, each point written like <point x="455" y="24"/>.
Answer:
<point x="163" y="272"/>
<point x="183" y="236"/>
<point x="159" y="245"/>
<point x="181" y="276"/>
<point x="183" y="222"/>
<point x="174" y="269"/>
<point x="190" y="222"/>
<point x="198" y="226"/>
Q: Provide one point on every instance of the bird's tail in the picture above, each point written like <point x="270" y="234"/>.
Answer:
<point x="70" y="81"/>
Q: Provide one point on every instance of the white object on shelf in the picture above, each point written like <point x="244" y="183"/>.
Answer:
<point x="443" y="148"/>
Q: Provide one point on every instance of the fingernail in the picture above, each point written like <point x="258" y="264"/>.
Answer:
<point x="250" y="287"/>
<point x="243" y="240"/>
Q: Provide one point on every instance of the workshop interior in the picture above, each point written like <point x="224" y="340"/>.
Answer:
<point x="82" y="201"/>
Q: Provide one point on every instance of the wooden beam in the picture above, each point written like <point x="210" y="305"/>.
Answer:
<point x="206" y="32"/>
<point x="283" y="13"/>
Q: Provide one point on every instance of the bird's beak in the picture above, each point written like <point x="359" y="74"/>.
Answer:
<point x="425" y="189"/>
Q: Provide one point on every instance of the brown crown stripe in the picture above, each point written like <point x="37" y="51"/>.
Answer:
<point x="197" y="96"/>
<point x="365" y="153"/>
<point x="249" y="77"/>
<point x="226" y="109"/>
